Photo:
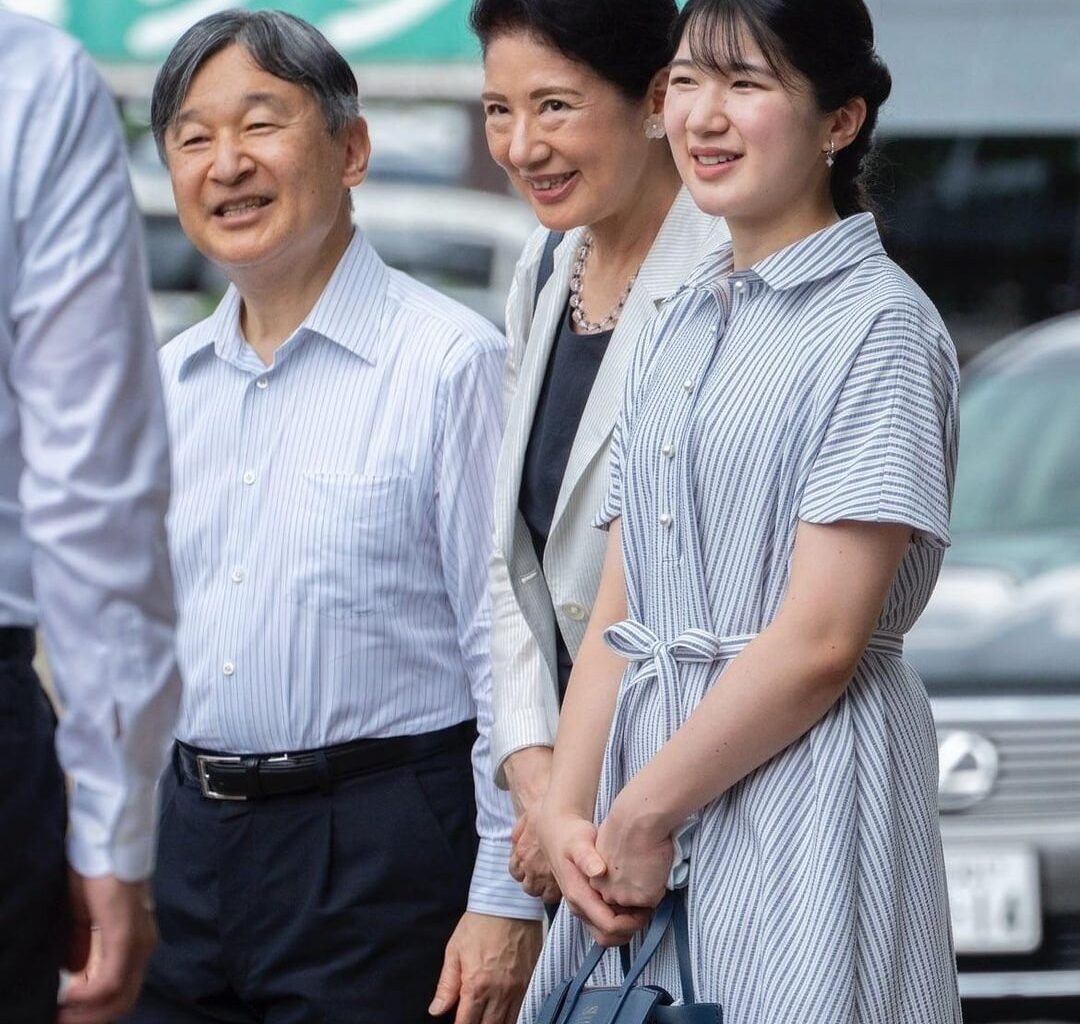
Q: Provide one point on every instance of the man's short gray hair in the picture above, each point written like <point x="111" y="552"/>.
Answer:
<point x="280" y="44"/>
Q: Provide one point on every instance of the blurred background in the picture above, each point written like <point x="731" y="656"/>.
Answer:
<point x="978" y="183"/>
<point x="978" y="175"/>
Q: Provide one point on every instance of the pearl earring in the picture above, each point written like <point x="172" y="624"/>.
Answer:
<point x="831" y="158"/>
<point x="654" y="127"/>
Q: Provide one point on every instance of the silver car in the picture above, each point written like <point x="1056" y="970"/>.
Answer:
<point x="999" y="649"/>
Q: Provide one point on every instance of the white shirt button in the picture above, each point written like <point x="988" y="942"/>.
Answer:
<point x="688" y="384"/>
<point x="739" y="285"/>
<point x="237" y="575"/>
<point x="262" y="383"/>
<point x="249" y="477"/>
<point x="666" y="519"/>
<point x="574" y="611"/>
<point x="228" y="668"/>
<point x="668" y="450"/>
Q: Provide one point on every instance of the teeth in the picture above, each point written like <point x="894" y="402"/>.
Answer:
<point x="234" y="208"/>
<point x="712" y="161"/>
<point x="550" y="183"/>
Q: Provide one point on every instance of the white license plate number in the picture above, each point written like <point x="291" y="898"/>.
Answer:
<point x="994" y="898"/>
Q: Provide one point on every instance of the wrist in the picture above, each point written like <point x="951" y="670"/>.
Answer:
<point x="528" y="772"/>
<point x="639" y="813"/>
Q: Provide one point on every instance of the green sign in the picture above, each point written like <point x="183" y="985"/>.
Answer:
<point x="431" y="31"/>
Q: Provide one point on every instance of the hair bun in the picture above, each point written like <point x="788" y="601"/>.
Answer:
<point x="878" y="81"/>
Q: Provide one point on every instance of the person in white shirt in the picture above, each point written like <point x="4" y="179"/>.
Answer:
<point x="335" y="427"/>
<point x="84" y="483"/>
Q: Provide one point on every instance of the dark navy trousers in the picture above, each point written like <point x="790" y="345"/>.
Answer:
<point x="33" y="873"/>
<point x="322" y="907"/>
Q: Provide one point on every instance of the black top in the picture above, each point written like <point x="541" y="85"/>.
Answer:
<point x="571" y="372"/>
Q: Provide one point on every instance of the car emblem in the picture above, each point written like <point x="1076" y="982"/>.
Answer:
<point x="967" y="769"/>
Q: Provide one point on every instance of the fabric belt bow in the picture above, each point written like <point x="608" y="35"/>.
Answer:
<point x="656" y="659"/>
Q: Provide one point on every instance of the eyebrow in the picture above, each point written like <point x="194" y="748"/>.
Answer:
<point x="250" y="99"/>
<point x="737" y="67"/>
<point x="538" y="94"/>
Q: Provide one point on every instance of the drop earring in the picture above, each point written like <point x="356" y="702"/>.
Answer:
<point x="831" y="158"/>
<point x="654" y="127"/>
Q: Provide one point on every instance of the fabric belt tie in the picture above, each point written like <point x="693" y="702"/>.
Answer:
<point x="659" y="660"/>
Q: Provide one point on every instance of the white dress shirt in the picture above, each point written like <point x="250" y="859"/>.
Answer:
<point x="330" y="530"/>
<point x="84" y="468"/>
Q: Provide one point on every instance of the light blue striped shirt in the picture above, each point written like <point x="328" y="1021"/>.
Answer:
<point x="330" y="530"/>
<point x="84" y="466"/>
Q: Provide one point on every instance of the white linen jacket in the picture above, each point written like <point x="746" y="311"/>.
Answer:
<point x="528" y="600"/>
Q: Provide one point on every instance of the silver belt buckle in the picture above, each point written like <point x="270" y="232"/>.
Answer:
<point x="201" y="761"/>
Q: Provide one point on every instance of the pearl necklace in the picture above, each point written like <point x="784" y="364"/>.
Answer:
<point x="577" y="280"/>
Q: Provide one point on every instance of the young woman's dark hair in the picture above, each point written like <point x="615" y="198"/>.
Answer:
<point x="624" y="41"/>
<point x="828" y="42"/>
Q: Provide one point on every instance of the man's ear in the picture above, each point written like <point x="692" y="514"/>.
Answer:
<point x="357" y="152"/>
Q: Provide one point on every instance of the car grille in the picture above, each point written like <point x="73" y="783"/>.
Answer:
<point x="1059" y="951"/>
<point x="1038" y="767"/>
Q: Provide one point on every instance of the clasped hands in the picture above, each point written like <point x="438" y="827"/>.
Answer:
<point x="612" y="877"/>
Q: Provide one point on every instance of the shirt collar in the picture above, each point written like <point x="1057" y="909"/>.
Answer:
<point x="822" y="254"/>
<point x="348" y="312"/>
<point x="814" y="258"/>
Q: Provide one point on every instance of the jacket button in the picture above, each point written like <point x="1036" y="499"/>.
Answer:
<point x="575" y="611"/>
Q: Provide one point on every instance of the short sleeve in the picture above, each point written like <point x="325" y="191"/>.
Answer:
<point x="888" y="441"/>
<point x="611" y="507"/>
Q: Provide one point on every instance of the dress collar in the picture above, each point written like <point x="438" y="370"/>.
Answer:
<point x="826" y="252"/>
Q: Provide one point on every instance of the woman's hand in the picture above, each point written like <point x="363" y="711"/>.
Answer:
<point x="638" y="857"/>
<point x="570" y="844"/>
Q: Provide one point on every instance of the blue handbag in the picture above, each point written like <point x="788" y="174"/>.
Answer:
<point x="575" y="1002"/>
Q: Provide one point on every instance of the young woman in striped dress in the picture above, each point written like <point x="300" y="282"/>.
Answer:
<point x="781" y="481"/>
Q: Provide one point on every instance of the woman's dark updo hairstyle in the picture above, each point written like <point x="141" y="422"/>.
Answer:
<point x="828" y="42"/>
<point x="625" y="42"/>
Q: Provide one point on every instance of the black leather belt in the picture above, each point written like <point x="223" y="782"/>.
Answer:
<point x="257" y="776"/>
<point x="16" y="642"/>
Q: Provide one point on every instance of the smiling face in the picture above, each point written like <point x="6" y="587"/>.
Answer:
<point x="260" y="184"/>
<point x="570" y="141"/>
<point x="748" y="146"/>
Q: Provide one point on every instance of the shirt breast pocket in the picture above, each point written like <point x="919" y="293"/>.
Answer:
<point x="352" y="542"/>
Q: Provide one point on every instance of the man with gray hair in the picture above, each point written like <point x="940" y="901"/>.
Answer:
<point x="335" y="427"/>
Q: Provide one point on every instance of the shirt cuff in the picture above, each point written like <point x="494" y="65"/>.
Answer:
<point x="126" y="849"/>
<point x="523" y="727"/>
<point x="494" y="892"/>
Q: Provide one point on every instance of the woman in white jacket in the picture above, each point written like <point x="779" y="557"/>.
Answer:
<point x="573" y="100"/>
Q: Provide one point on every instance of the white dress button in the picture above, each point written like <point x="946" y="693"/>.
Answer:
<point x="688" y="384"/>
<point x="668" y="450"/>
<point x="249" y="477"/>
<point x="739" y="285"/>
<point x="228" y="668"/>
<point x="665" y="519"/>
<point x="237" y="575"/>
<point x="574" y="611"/>
<point x="262" y="383"/>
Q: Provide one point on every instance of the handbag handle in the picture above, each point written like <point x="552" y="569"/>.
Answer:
<point x="671" y="909"/>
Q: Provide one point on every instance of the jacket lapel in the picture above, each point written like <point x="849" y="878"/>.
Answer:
<point x="684" y="238"/>
<point x="541" y="338"/>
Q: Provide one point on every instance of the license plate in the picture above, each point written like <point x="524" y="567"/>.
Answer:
<point x="994" y="898"/>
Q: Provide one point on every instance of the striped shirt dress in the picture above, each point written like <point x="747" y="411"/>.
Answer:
<point x="819" y="385"/>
